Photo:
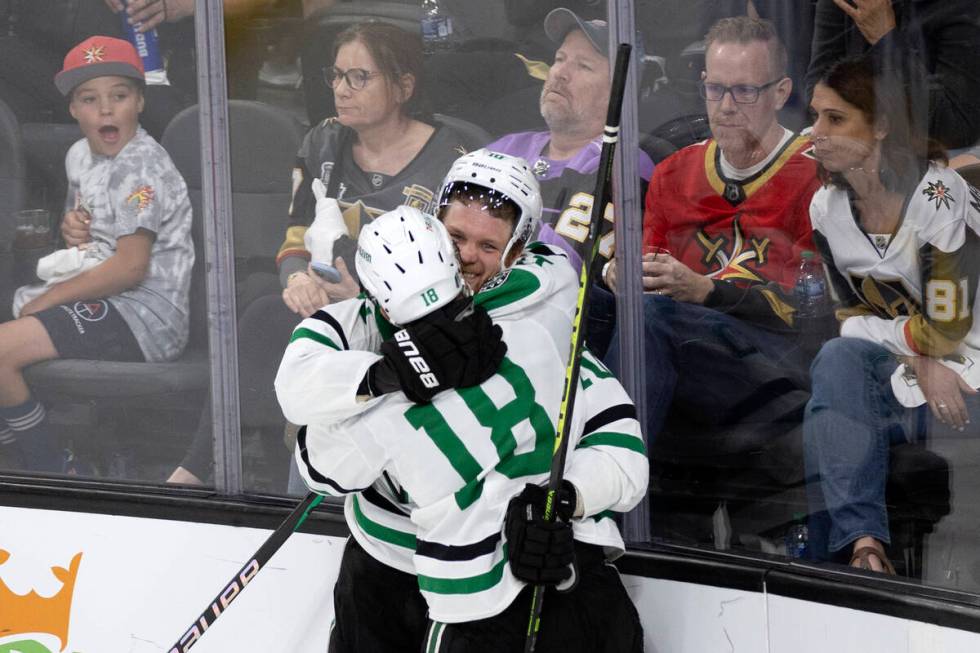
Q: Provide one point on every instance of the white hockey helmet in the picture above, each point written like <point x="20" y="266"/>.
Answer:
<point x="407" y="262"/>
<point x="492" y="178"/>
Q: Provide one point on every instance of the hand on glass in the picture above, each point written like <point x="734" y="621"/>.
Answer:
<point x="943" y="389"/>
<point x="874" y="18"/>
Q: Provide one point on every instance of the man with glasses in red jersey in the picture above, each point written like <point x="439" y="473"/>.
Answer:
<point x="728" y="220"/>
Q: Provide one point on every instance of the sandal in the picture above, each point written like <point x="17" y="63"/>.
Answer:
<point x="862" y="554"/>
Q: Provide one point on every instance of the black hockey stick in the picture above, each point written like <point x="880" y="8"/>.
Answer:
<point x="233" y="589"/>
<point x="600" y="199"/>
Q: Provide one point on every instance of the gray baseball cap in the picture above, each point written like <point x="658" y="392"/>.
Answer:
<point x="559" y="22"/>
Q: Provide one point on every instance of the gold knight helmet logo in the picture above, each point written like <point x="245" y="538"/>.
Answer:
<point x="33" y="614"/>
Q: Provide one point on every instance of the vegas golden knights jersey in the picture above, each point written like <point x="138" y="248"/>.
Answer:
<point x="914" y="291"/>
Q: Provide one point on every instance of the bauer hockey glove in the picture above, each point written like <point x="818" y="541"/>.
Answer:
<point x="540" y="552"/>
<point x="436" y="353"/>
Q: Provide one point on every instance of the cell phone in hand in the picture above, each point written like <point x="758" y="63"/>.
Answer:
<point x="326" y="271"/>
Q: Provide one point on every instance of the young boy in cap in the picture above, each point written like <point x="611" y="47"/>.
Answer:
<point x="126" y="201"/>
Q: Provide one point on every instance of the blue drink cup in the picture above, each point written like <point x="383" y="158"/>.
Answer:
<point x="148" y="47"/>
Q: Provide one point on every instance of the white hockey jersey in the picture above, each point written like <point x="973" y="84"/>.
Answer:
<point x="428" y="485"/>
<point x="914" y="293"/>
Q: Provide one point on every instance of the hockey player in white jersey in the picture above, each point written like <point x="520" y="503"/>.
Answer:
<point x="454" y="465"/>
<point x="898" y="232"/>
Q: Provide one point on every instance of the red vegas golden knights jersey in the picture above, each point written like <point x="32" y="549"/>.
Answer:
<point x="746" y="233"/>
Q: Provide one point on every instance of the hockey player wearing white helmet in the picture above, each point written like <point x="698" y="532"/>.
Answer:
<point x="428" y="485"/>
<point x="491" y="206"/>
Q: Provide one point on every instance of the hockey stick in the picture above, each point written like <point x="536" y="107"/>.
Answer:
<point x="600" y="198"/>
<point x="233" y="589"/>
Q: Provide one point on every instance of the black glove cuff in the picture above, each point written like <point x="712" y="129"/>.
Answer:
<point x="566" y="500"/>
<point x="381" y="378"/>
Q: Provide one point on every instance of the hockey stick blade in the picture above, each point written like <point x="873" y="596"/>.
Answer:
<point x="233" y="589"/>
<point x="600" y="198"/>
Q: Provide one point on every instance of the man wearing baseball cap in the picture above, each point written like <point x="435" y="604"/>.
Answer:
<point x="128" y="218"/>
<point x="565" y="158"/>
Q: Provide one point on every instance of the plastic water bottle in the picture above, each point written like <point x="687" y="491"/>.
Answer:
<point x="811" y="288"/>
<point x="147" y="45"/>
<point x="437" y="27"/>
<point x="798" y="537"/>
<point x="812" y="302"/>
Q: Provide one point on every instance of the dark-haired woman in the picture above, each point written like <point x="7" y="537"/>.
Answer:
<point x="380" y="151"/>
<point x="897" y="230"/>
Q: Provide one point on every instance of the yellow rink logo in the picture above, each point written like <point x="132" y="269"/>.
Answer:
<point x="31" y="623"/>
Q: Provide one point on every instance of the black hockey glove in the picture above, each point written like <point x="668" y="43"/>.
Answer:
<point x="540" y="552"/>
<point x="435" y="353"/>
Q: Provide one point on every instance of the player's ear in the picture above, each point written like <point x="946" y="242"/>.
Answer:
<point x="514" y="253"/>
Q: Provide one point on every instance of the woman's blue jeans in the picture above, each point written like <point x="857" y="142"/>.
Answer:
<point x="851" y="421"/>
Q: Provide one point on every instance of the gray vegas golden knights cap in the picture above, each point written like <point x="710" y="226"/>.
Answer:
<point x="559" y="22"/>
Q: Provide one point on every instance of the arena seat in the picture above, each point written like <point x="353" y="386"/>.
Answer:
<point x="474" y="136"/>
<point x="45" y="146"/>
<point x="13" y="192"/>
<point x="657" y="148"/>
<point x="13" y="174"/>
<point x="263" y="143"/>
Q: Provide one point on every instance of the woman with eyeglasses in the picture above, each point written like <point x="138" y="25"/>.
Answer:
<point x="379" y="152"/>
<point x="897" y="230"/>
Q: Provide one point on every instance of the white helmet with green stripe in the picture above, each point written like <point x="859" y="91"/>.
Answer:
<point x="406" y="261"/>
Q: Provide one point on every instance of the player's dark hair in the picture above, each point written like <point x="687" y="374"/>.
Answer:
<point x="906" y="149"/>
<point x="396" y="52"/>
<point x="745" y="30"/>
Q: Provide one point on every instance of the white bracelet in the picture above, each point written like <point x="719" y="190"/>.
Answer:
<point x="605" y="271"/>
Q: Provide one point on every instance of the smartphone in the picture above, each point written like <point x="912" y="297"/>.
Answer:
<point x="326" y="271"/>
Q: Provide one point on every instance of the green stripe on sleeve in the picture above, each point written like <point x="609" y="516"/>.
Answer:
<point x="469" y="585"/>
<point x="609" y="439"/>
<point x="518" y="285"/>
<point x="383" y="533"/>
<point x="595" y="366"/>
<point x="605" y="514"/>
<point x="303" y="332"/>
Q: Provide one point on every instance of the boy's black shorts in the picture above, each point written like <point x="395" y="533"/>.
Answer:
<point x="91" y="329"/>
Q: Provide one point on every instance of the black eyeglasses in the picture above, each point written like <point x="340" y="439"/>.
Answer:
<point x="356" y="78"/>
<point x="741" y="93"/>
